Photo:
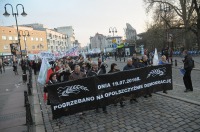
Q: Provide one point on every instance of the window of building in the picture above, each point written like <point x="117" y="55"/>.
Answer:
<point x="33" y="47"/>
<point x="32" y="38"/>
<point x="24" y="38"/>
<point x="16" y="38"/>
<point x="36" y="39"/>
<point x="3" y="37"/>
<point x="48" y="41"/>
<point x="10" y="38"/>
<point x="51" y="47"/>
<point x="6" y="47"/>
<point x="41" y="39"/>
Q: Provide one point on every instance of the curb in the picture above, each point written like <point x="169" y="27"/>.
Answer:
<point x="176" y="67"/>
<point x="37" y="114"/>
<point x="179" y="98"/>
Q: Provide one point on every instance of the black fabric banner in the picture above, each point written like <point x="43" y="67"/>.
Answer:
<point x="88" y="93"/>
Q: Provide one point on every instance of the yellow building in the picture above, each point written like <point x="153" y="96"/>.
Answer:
<point x="35" y="42"/>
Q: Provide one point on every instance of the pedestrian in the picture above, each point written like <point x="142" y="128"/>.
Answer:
<point x="135" y="60"/>
<point x="77" y="74"/>
<point x="52" y="80"/>
<point x="130" y="66"/>
<point x="162" y="62"/>
<point x="15" y="67"/>
<point x="113" y="69"/>
<point x="188" y="66"/>
<point x="1" y="65"/>
<point x="66" y="72"/>
<point x="144" y="63"/>
<point x="95" y="71"/>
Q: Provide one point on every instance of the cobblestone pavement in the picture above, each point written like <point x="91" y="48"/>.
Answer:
<point x="155" y="114"/>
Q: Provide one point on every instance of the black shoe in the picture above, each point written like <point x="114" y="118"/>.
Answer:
<point x="150" y="95"/>
<point x="145" y="96"/>
<point x="135" y="100"/>
<point x="122" y="104"/>
<point x="165" y="91"/>
<point x="97" y="111"/>
<point x="187" y="90"/>
<point x="105" y="112"/>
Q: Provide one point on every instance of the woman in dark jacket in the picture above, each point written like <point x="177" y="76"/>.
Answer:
<point x="52" y="80"/>
<point x="113" y="69"/>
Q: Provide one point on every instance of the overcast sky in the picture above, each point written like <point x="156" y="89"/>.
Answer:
<point x="86" y="16"/>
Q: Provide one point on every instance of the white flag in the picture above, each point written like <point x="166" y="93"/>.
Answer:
<point x="43" y="71"/>
<point x="155" y="58"/>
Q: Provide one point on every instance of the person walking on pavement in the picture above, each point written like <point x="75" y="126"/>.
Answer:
<point x="77" y="74"/>
<point x="128" y="67"/>
<point x="188" y="66"/>
<point x="95" y="71"/>
<point x="15" y="68"/>
<point x="1" y="65"/>
<point x="144" y="63"/>
<point x="162" y="62"/>
<point x="113" y="69"/>
<point x="52" y="80"/>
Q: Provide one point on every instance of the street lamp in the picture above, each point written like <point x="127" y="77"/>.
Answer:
<point x="113" y="30"/>
<point x="165" y="8"/>
<point x="6" y="14"/>
<point x="25" y="34"/>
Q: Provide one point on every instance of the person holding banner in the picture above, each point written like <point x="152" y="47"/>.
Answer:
<point x="144" y="63"/>
<point x="95" y="71"/>
<point x="77" y="74"/>
<point x="52" y="80"/>
<point x="162" y="62"/>
<point x="128" y="67"/>
<point x="113" y="69"/>
<point x="66" y="72"/>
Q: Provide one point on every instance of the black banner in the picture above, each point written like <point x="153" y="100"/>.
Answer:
<point x="88" y="93"/>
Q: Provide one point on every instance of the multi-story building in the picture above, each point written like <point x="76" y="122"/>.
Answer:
<point x="56" y="41"/>
<point x="35" y="42"/>
<point x="98" y="42"/>
<point x="69" y="31"/>
<point x="112" y="43"/>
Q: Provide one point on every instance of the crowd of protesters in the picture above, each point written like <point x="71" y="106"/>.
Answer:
<point x="74" y="68"/>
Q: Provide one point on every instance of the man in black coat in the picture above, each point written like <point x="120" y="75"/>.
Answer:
<point x="188" y="66"/>
<point x="128" y="67"/>
<point x="95" y="71"/>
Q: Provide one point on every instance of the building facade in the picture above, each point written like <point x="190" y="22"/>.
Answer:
<point x="56" y="41"/>
<point x="69" y="31"/>
<point x="33" y="43"/>
<point x="98" y="42"/>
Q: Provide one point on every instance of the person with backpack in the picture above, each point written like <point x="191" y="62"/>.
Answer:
<point x="188" y="66"/>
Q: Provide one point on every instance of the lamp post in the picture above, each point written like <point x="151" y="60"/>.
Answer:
<point x="15" y="14"/>
<point x="165" y="8"/>
<point x="25" y="34"/>
<point x="113" y="30"/>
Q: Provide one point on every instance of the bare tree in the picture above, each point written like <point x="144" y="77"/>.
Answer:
<point x="185" y="15"/>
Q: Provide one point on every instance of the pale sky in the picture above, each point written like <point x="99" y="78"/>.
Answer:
<point x="86" y="16"/>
